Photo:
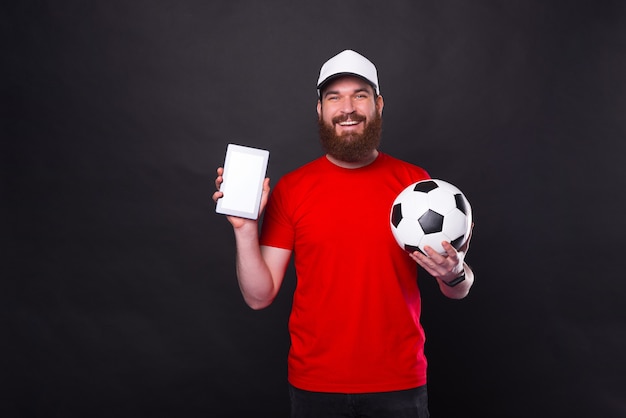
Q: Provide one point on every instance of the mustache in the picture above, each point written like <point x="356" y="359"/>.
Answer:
<point x="355" y="117"/>
<point x="350" y="147"/>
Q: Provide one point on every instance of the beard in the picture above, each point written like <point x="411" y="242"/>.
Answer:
<point x="351" y="147"/>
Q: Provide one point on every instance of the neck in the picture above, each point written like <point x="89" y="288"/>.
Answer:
<point x="354" y="164"/>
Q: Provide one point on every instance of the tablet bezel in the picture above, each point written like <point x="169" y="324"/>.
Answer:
<point x="226" y="205"/>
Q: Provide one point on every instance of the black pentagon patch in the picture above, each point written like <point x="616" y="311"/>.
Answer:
<point x="460" y="203"/>
<point x="458" y="243"/>
<point x="396" y="214"/>
<point x="412" y="249"/>
<point x="425" y="186"/>
<point x="431" y="222"/>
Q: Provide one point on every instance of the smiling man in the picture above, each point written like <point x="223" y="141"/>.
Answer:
<point x="357" y="345"/>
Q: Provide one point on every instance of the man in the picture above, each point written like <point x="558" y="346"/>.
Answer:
<point x="357" y="346"/>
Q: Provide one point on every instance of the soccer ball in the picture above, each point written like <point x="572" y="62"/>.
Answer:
<point x="429" y="212"/>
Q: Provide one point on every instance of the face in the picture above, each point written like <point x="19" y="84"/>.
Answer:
<point x="350" y="119"/>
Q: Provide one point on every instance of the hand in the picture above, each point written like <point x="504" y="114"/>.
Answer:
<point x="446" y="267"/>
<point x="235" y="221"/>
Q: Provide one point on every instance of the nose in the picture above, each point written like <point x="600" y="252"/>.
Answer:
<point x="347" y="106"/>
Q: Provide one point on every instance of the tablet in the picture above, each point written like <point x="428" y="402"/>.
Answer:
<point x="244" y="173"/>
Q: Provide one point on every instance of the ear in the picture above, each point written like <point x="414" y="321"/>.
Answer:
<point x="380" y="103"/>
<point x="319" y="109"/>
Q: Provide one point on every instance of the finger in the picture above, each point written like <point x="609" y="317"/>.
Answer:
<point x="217" y="195"/>
<point x="417" y="256"/>
<point x="434" y="255"/>
<point x="431" y="260"/>
<point x="465" y="245"/>
<point x="426" y="263"/>
<point x="219" y="179"/>
<point x="450" y="251"/>
<point x="265" y="195"/>
<point x="442" y="264"/>
<point x="420" y="259"/>
<point x="430" y="257"/>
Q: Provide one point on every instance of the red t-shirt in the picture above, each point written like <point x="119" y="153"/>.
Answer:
<point x="354" y="323"/>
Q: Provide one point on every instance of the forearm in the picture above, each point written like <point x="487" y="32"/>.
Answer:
<point x="460" y="290"/>
<point x="255" y="278"/>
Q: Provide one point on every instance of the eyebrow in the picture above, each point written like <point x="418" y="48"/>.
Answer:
<point x="359" y="90"/>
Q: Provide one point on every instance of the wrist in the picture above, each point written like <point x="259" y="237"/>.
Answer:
<point x="457" y="280"/>
<point x="246" y="229"/>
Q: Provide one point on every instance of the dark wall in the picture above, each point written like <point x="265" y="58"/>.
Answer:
<point x="118" y="289"/>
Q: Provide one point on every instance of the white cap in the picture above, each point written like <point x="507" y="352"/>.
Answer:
<point x="348" y="62"/>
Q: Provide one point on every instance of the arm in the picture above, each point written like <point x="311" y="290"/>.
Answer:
<point x="260" y="269"/>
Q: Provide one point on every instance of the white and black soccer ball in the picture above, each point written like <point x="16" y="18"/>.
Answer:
<point x="429" y="212"/>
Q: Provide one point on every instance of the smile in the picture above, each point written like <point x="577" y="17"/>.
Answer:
<point x="349" y="123"/>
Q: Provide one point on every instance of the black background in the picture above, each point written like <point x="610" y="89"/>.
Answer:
<point x="118" y="287"/>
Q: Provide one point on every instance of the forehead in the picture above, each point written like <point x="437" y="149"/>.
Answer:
<point x="347" y="83"/>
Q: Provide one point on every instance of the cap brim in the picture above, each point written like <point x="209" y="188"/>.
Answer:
<point x="333" y="77"/>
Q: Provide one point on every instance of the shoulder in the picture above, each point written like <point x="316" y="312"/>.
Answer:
<point x="305" y="172"/>
<point x="398" y="165"/>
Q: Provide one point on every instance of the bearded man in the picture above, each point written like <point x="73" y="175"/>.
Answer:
<point x="357" y="345"/>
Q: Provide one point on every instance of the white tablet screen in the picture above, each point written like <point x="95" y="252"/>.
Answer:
<point x="244" y="172"/>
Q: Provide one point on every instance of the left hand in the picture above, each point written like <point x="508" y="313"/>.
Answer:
<point x="446" y="267"/>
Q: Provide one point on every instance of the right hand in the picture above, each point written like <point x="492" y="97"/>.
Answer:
<point x="236" y="221"/>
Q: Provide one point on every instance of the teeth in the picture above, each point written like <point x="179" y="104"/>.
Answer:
<point x="348" y="123"/>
